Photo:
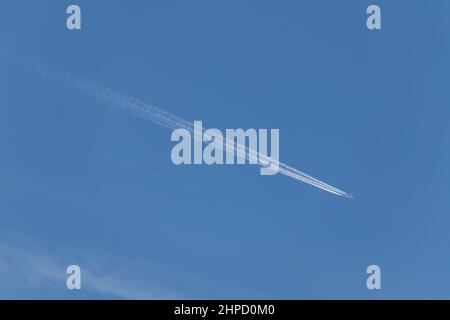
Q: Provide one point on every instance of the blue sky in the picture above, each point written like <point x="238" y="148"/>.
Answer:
<point x="84" y="183"/>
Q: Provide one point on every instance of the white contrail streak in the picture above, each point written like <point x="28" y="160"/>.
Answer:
<point x="144" y="110"/>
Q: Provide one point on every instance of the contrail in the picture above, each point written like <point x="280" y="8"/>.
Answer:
<point x="146" y="111"/>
